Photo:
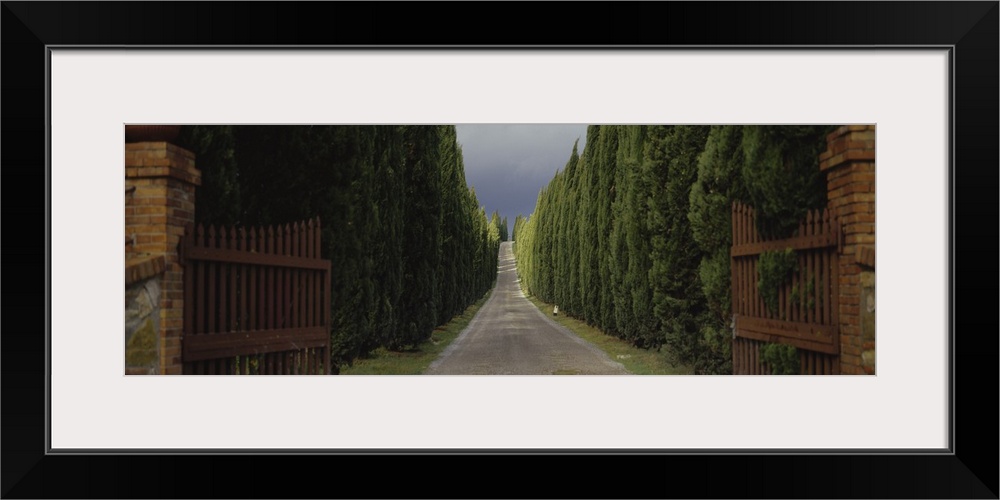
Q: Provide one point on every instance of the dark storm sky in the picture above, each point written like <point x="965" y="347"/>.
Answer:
<point x="509" y="164"/>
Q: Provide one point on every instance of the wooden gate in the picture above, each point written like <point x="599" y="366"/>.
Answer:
<point x="807" y="314"/>
<point x="256" y="301"/>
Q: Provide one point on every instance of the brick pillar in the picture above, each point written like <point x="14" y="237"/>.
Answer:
<point x="849" y="163"/>
<point x="160" y="181"/>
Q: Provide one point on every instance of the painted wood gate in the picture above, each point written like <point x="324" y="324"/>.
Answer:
<point x="256" y="300"/>
<point x="807" y="312"/>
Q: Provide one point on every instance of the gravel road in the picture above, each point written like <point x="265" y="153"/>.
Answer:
<point x="510" y="336"/>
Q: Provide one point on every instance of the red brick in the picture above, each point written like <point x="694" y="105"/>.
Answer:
<point x="859" y="187"/>
<point x="183" y="214"/>
<point x="860" y="238"/>
<point x="173" y="369"/>
<point x="849" y="359"/>
<point x="850" y="349"/>
<point x="860" y="228"/>
<point x="150" y="210"/>
<point x="866" y="135"/>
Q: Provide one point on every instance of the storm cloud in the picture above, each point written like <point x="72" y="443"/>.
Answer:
<point x="509" y="164"/>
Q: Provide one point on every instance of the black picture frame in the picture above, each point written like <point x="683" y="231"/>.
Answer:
<point x="969" y="470"/>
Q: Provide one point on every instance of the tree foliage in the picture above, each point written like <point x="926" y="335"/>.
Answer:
<point x="409" y="243"/>
<point x="632" y="235"/>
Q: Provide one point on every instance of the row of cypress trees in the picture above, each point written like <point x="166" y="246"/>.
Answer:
<point x="410" y="245"/>
<point x="633" y="234"/>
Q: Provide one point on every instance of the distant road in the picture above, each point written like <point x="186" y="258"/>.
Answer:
<point x="510" y="336"/>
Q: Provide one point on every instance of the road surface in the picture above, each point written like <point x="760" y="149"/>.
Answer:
<point x="510" y="336"/>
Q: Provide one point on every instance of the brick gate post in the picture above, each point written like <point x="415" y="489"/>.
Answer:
<point x="160" y="181"/>
<point x="849" y="164"/>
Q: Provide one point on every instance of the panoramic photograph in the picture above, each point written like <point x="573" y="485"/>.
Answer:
<point x="499" y="249"/>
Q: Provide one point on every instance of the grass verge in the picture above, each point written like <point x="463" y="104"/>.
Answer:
<point x="636" y="360"/>
<point x="385" y="362"/>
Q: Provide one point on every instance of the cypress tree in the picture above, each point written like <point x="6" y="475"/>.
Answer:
<point x="421" y="234"/>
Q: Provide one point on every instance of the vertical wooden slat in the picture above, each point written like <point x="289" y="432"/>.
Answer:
<point x="261" y="272"/>
<point x="293" y="277"/>
<point x="303" y="275"/>
<point x="746" y="266"/>
<point x="737" y="352"/>
<point x="213" y="277"/>
<point x="811" y="270"/>
<point x="747" y="357"/>
<point x="310" y="304"/>
<point x="270" y="280"/>
<point x="300" y="282"/>
<point x="799" y="271"/>
<point x="279" y="296"/>
<point x="757" y="306"/>
<point x="286" y="276"/>
<point x="733" y="275"/>
<point x="748" y="361"/>
<point x="742" y="262"/>
<point x="252" y="272"/>
<point x="317" y="277"/>
<point x="736" y="355"/>
<point x="233" y="294"/>
<point x="224" y="268"/>
<point x="326" y="319"/>
<point x="199" y="323"/>
<point x="743" y="362"/>
<point x="212" y="297"/>
<point x="749" y="270"/>
<point x="244" y="269"/>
